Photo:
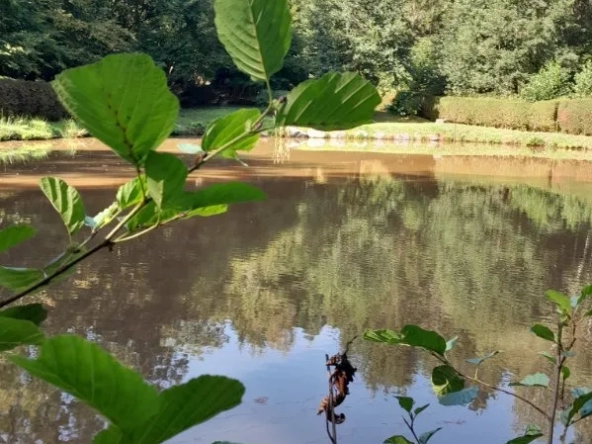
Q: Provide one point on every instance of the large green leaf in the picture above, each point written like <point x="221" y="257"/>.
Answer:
<point x="187" y="405"/>
<point x="479" y="361"/>
<point x="225" y="194"/>
<point x="132" y="193"/>
<point x="123" y="101"/>
<point x="560" y="300"/>
<point x="19" y="278"/>
<point x="166" y="175"/>
<point x="445" y="380"/>
<point x="397" y="439"/>
<point x="461" y="397"/>
<point x="543" y="332"/>
<point x="66" y="201"/>
<point x="536" y="380"/>
<point x="227" y="131"/>
<point x="335" y="101"/>
<point x="411" y="335"/>
<point x="87" y="372"/>
<point x="15" y="332"/>
<point x="256" y="34"/>
<point x="35" y="313"/>
<point x="14" y="235"/>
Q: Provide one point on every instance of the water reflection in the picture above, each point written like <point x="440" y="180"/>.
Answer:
<point x="264" y="292"/>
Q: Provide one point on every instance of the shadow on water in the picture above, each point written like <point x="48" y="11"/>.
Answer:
<point x="344" y="242"/>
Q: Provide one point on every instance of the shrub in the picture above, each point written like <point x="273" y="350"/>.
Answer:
<point x="575" y="116"/>
<point x="549" y="83"/>
<point x="30" y="99"/>
<point x="406" y="103"/>
<point x="499" y="113"/>
<point x="583" y="81"/>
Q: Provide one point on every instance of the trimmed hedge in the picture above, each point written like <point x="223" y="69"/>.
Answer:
<point x="575" y="116"/>
<point x="29" y="99"/>
<point x="497" y="113"/>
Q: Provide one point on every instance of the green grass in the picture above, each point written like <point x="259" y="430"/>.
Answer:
<point x="192" y="123"/>
<point x="23" y="154"/>
<point x="419" y="130"/>
<point x="38" y="129"/>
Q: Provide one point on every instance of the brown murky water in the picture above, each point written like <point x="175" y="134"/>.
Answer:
<point x="344" y="242"/>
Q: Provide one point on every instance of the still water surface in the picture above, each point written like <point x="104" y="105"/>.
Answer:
<point x="344" y="242"/>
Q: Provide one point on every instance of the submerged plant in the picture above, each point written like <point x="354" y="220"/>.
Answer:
<point x="455" y="386"/>
<point x="123" y="101"/>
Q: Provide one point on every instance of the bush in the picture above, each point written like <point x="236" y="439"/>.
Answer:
<point x="498" y="113"/>
<point x="583" y="81"/>
<point x="29" y="99"/>
<point x="406" y="103"/>
<point x="575" y="116"/>
<point x="549" y="83"/>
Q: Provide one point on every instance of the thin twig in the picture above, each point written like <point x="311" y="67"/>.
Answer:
<point x="559" y="360"/>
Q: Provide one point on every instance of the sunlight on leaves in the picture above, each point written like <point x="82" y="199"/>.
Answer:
<point x="256" y="33"/>
<point x="334" y="102"/>
<point x="66" y="201"/>
<point x="122" y="100"/>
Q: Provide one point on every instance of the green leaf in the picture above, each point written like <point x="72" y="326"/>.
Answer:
<point x="543" y="332"/>
<point x="582" y="403"/>
<point x="560" y="300"/>
<point x="256" y="33"/>
<point x="35" y="313"/>
<point x="19" y="278"/>
<point x="189" y="148"/>
<point x="87" y="372"/>
<point x="335" y="101"/>
<point x="166" y="175"/>
<point x="445" y="380"/>
<point x="14" y="235"/>
<point x="66" y="201"/>
<point x="398" y="439"/>
<point x="132" y="192"/>
<point x="122" y="100"/>
<point x="227" y="131"/>
<point x="450" y="344"/>
<point x="565" y="372"/>
<point x="105" y="217"/>
<point x="536" y="380"/>
<point x="479" y="361"/>
<point x="187" y="405"/>
<point x="525" y="439"/>
<point x="15" y="332"/>
<point x="406" y="403"/>
<point x="585" y="293"/>
<point x="424" y="438"/>
<point x="225" y="194"/>
<point x="412" y="336"/>
<point x="548" y="357"/>
<point x="462" y="397"/>
<point x="418" y="410"/>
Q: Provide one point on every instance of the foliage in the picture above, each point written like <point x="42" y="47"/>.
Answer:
<point x="551" y="82"/>
<point x="123" y="100"/>
<point x="25" y="98"/>
<point x="499" y="113"/>
<point x="449" y="381"/>
<point x="583" y="81"/>
<point x="574" y="116"/>
<point x="407" y="404"/>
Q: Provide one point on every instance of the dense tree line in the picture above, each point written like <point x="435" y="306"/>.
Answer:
<point x="454" y="46"/>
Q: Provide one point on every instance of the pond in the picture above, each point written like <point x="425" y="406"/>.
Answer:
<point x="345" y="241"/>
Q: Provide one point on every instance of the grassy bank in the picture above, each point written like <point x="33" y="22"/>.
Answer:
<point x="389" y="128"/>
<point x="192" y="123"/>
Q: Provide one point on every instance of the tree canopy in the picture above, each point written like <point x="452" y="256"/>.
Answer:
<point x="465" y="46"/>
